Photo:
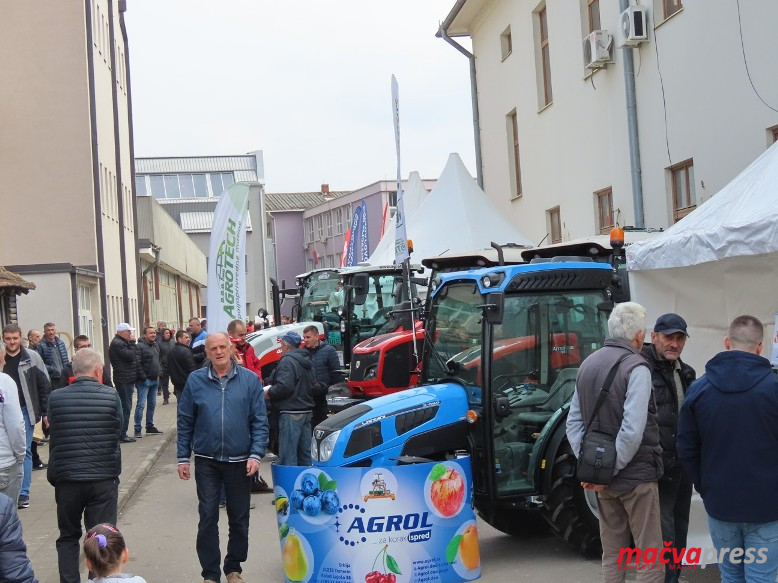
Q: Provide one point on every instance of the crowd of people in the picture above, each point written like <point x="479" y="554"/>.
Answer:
<point x="717" y="433"/>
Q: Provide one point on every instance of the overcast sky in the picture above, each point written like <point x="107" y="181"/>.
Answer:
<point x="306" y="81"/>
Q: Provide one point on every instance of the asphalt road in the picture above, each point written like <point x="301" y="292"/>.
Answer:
<point x="160" y="524"/>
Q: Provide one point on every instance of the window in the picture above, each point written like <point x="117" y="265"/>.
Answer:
<point x="671" y="7"/>
<point x="140" y="185"/>
<point x="555" y="224"/>
<point x="513" y="140"/>
<point x="594" y="15"/>
<point x="329" y="225"/>
<point x="506" y="43"/>
<point x="684" y="196"/>
<point x="392" y="198"/>
<point x="171" y="186"/>
<point x="157" y="186"/>
<point x="186" y="184"/>
<point x="319" y="227"/>
<point x="309" y="230"/>
<point x="339" y="221"/>
<point x="604" y="209"/>
<point x="773" y="134"/>
<point x="200" y="185"/>
<point x="545" y="59"/>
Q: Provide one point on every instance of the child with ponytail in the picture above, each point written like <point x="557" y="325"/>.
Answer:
<point x="106" y="554"/>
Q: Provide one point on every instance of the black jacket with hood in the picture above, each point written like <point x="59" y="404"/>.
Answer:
<point x="292" y="383"/>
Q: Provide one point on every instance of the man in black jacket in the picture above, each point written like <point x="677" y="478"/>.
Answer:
<point x="148" y="382"/>
<point x="121" y="353"/>
<point x="290" y="393"/>
<point x="85" y="459"/>
<point x="326" y="368"/>
<point x="180" y="363"/>
<point x="670" y="378"/>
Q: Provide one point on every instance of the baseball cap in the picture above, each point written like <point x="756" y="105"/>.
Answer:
<point x="670" y="324"/>
<point x="123" y="327"/>
<point x="291" y="338"/>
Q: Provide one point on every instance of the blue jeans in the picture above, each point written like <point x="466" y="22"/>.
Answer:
<point x="760" y="542"/>
<point x="294" y="439"/>
<point x="209" y="476"/>
<point x="147" y="398"/>
<point x="27" y="479"/>
<point x="125" y="396"/>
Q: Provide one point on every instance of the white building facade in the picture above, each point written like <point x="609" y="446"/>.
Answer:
<point x="555" y="134"/>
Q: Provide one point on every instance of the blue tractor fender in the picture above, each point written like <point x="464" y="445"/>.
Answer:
<point x="420" y="422"/>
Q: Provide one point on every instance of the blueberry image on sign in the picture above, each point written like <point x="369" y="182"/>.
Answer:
<point x="309" y="484"/>
<point x="330" y="502"/>
<point x="297" y="499"/>
<point x="311" y="506"/>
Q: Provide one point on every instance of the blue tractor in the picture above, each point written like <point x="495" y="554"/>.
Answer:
<point x="503" y="345"/>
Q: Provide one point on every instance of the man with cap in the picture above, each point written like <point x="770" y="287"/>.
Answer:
<point x="121" y="354"/>
<point x="670" y="378"/>
<point x="290" y="394"/>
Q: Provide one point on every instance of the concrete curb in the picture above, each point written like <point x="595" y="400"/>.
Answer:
<point x="128" y="488"/>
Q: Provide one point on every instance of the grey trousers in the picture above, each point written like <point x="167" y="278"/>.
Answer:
<point x="635" y="512"/>
<point x="11" y="480"/>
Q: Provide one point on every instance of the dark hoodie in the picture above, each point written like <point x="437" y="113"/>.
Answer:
<point x="728" y="437"/>
<point x="292" y="382"/>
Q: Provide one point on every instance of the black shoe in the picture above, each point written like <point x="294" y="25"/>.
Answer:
<point x="126" y="439"/>
<point x="39" y="466"/>
<point x="165" y="402"/>
<point x="153" y="431"/>
<point x="24" y="502"/>
<point x="138" y="435"/>
<point x="259" y="485"/>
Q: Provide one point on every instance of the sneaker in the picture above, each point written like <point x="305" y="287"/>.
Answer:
<point x="252" y="506"/>
<point x="235" y="577"/>
<point x="222" y="505"/>
<point x="138" y="434"/>
<point x="24" y="502"/>
<point x="151" y="430"/>
<point x="39" y="466"/>
<point x="165" y="402"/>
<point x="126" y="439"/>
<point x="259" y="485"/>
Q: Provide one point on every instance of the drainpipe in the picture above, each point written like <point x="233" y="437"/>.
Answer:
<point x="443" y="33"/>
<point x="632" y="128"/>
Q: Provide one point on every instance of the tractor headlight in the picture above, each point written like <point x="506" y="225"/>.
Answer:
<point x="325" y="448"/>
<point x="371" y="372"/>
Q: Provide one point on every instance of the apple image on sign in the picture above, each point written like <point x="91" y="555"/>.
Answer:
<point x="447" y="491"/>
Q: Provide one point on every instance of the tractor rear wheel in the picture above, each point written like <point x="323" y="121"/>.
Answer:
<point x="517" y="521"/>
<point x="569" y="509"/>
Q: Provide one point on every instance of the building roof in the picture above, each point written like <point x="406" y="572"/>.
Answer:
<point x="202" y="221"/>
<point x="298" y="201"/>
<point x="14" y="282"/>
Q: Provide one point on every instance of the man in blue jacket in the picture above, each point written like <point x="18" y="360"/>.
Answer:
<point x="223" y="421"/>
<point x="728" y="442"/>
<point x="14" y="564"/>
<point x="326" y="368"/>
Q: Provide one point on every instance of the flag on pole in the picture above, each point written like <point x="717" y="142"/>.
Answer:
<point x="400" y="237"/>
<point x="227" y="249"/>
<point x="364" y="243"/>
<point x="344" y="253"/>
<point x="352" y="255"/>
<point x="383" y="220"/>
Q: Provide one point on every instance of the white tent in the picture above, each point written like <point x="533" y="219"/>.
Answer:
<point x="718" y="262"/>
<point x="456" y="216"/>
<point x="413" y="195"/>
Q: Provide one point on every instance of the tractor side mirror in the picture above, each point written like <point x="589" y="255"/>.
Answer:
<point x="494" y="307"/>
<point x="360" y="284"/>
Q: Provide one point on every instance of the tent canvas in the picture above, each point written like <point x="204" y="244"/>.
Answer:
<point x="717" y="263"/>
<point x="456" y="216"/>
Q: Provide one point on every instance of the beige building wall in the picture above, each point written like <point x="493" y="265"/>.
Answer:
<point x="65" y="184"/>
<point x="691" y="72"/>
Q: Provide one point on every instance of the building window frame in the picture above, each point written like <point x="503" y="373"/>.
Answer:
<point x="319" y="227"/>
<point x="513" y="141"/>
<point x="309" y="230"/>
<point x="545" y="57"/>
<point x="684" y="196"/>
<point x="506" y="43"/>
<point x="329" y="224"/>
<point x="670" y="7"/>
<point x="593" y="12"/>
<point x="605" y="220"/>
<point x="554" y="216"/>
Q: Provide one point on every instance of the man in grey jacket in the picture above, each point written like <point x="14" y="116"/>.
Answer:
<point x="13" y="444"/>
<point x="630" y="503"/>
<point x="148" y="382"/>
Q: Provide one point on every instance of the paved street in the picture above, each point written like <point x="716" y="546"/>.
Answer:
<point x="158" y="517"/>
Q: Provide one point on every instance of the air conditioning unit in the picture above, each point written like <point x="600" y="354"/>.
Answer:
<point x="634" y="29"/>
<point x="597" y="49"/>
